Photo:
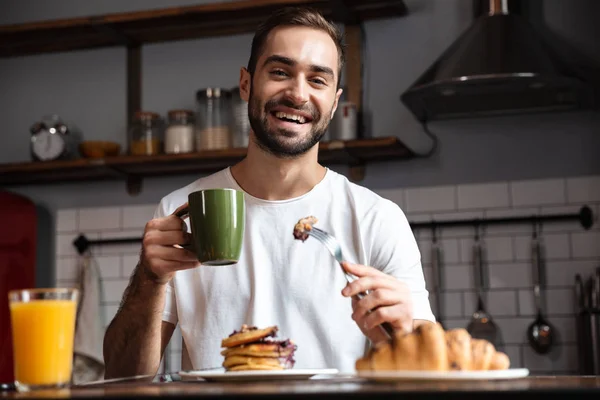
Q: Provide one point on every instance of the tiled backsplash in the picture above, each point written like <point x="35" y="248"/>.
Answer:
<point x="569" y="250"/>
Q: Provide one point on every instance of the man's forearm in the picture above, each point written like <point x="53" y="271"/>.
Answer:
<point x="132" y="343"/>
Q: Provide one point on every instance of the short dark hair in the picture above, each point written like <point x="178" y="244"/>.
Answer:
<point x="296" y="16"/>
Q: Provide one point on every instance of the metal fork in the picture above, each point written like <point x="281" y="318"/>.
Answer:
<point x="336" y="251"/>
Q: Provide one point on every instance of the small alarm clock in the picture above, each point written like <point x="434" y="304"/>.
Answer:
<point x="52" y="139"/>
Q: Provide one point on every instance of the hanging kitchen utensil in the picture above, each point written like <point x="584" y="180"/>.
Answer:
<point x="481" y="325"/>
<point x="436" y="261"/>
<point x="597" y="287"/>
<point x="596" y="312"/>
<point x="594" y="315"/>
<point x="540" y="332"/>
<point x="583" y="328"/>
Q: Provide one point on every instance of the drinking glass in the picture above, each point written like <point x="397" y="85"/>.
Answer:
<point x="43" y="328"/>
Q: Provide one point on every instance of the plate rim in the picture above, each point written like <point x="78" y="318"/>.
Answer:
<point x="279" y="372"/>
<point x="511" y="373"/>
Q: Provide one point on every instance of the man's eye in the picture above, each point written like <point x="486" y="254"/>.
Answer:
<point x="278" y="73"/>
<point x="319" y="81"/>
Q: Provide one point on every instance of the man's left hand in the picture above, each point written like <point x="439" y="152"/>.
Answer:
<point x="389" y="300"/>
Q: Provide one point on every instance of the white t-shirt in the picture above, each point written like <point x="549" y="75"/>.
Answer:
<point x="289" y="283"/>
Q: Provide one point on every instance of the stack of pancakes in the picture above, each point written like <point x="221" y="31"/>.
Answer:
<point x="252" y="348"/>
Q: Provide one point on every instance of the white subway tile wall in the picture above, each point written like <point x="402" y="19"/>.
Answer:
<point x="568" y="250"/>
<point x="538" y="192"/>
<point x="493" y="195"/>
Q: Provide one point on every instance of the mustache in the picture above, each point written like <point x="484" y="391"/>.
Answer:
<point x="314" y="113"/>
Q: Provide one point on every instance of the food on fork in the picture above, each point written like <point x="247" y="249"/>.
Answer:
<point x="252" y="348"/>
<point x="430" y="348"/>
<point x="304" y="225"/>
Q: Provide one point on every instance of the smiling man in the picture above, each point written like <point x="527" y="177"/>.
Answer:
<point x="292" y="88"/>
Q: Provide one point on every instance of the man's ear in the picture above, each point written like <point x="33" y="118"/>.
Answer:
<point x="245" y="83"/>
<point x="336" y="101"/>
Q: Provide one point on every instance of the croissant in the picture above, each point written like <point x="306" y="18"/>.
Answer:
<point x="430" y="348"/>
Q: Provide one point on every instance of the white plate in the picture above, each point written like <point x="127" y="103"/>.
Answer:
<point x="390" y="376"/>
<point x="285" y="374"/>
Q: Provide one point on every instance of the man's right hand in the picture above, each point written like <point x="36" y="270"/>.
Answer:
<point x="160" y="258"/>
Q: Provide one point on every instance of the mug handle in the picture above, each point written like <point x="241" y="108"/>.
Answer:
<point x="183" y="213"/>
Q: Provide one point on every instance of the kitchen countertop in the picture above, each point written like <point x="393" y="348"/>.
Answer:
<point x="347" y="387"/>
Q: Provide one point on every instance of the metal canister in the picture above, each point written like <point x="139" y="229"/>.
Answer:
<point x="343" y="125"/>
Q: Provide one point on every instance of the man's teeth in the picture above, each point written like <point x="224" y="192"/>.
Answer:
<point x="298" y="118"/>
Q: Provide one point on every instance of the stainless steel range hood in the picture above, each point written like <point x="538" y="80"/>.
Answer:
<point x="500" y="65"/>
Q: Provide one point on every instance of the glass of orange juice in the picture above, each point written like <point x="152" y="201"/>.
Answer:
<point x="43" y="327"/>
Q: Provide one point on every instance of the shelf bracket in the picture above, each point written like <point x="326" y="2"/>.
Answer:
<point x="358" y="172"/>
<point x="354" y="65"/>
<point x="353" y="69"/>
<point x="134" y="81"/>
<point x="134" y="185"/>
<point x="353" y="36"/>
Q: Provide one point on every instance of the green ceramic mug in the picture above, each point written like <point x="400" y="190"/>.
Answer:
<point x="217" y="221"/>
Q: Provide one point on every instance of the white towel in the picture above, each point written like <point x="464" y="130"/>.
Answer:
<point x="88" y="359"/>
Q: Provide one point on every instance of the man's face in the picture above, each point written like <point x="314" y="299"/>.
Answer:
<point x="292" y="95"/>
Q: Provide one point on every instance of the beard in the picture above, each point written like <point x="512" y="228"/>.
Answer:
<point x="281" y="142"/>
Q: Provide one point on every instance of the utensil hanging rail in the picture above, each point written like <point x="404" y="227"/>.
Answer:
<point x="585" y="217"/>
<point x="82" y="243"/>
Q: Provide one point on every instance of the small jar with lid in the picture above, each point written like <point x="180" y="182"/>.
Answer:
<point x="145" y="134"/>
<point x="179" y="134"/>
<point x="212" y="119"/>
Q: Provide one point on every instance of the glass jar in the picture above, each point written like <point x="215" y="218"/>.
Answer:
<point x="212" y="119"/>
<point x="145" y="134"/>
<point x="179" y="134"/>
<point x="240" y="123"/>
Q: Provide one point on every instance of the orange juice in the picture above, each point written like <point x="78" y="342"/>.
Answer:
<point x="43" y="333"/>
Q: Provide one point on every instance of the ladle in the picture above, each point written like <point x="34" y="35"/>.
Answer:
<point x="481" y="325"/>
<point x="540" y="332"/>
<point x="436" y="261"/>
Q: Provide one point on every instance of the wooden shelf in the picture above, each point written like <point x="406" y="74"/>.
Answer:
<point x="354" y="153"/>
<point x="178" y="23"/>
<point x="135" y="29"/>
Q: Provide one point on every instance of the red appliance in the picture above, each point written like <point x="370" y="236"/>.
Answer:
<point x="18" y="229"/>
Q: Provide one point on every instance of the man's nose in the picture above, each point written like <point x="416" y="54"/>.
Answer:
<point x="298" y="91"/>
